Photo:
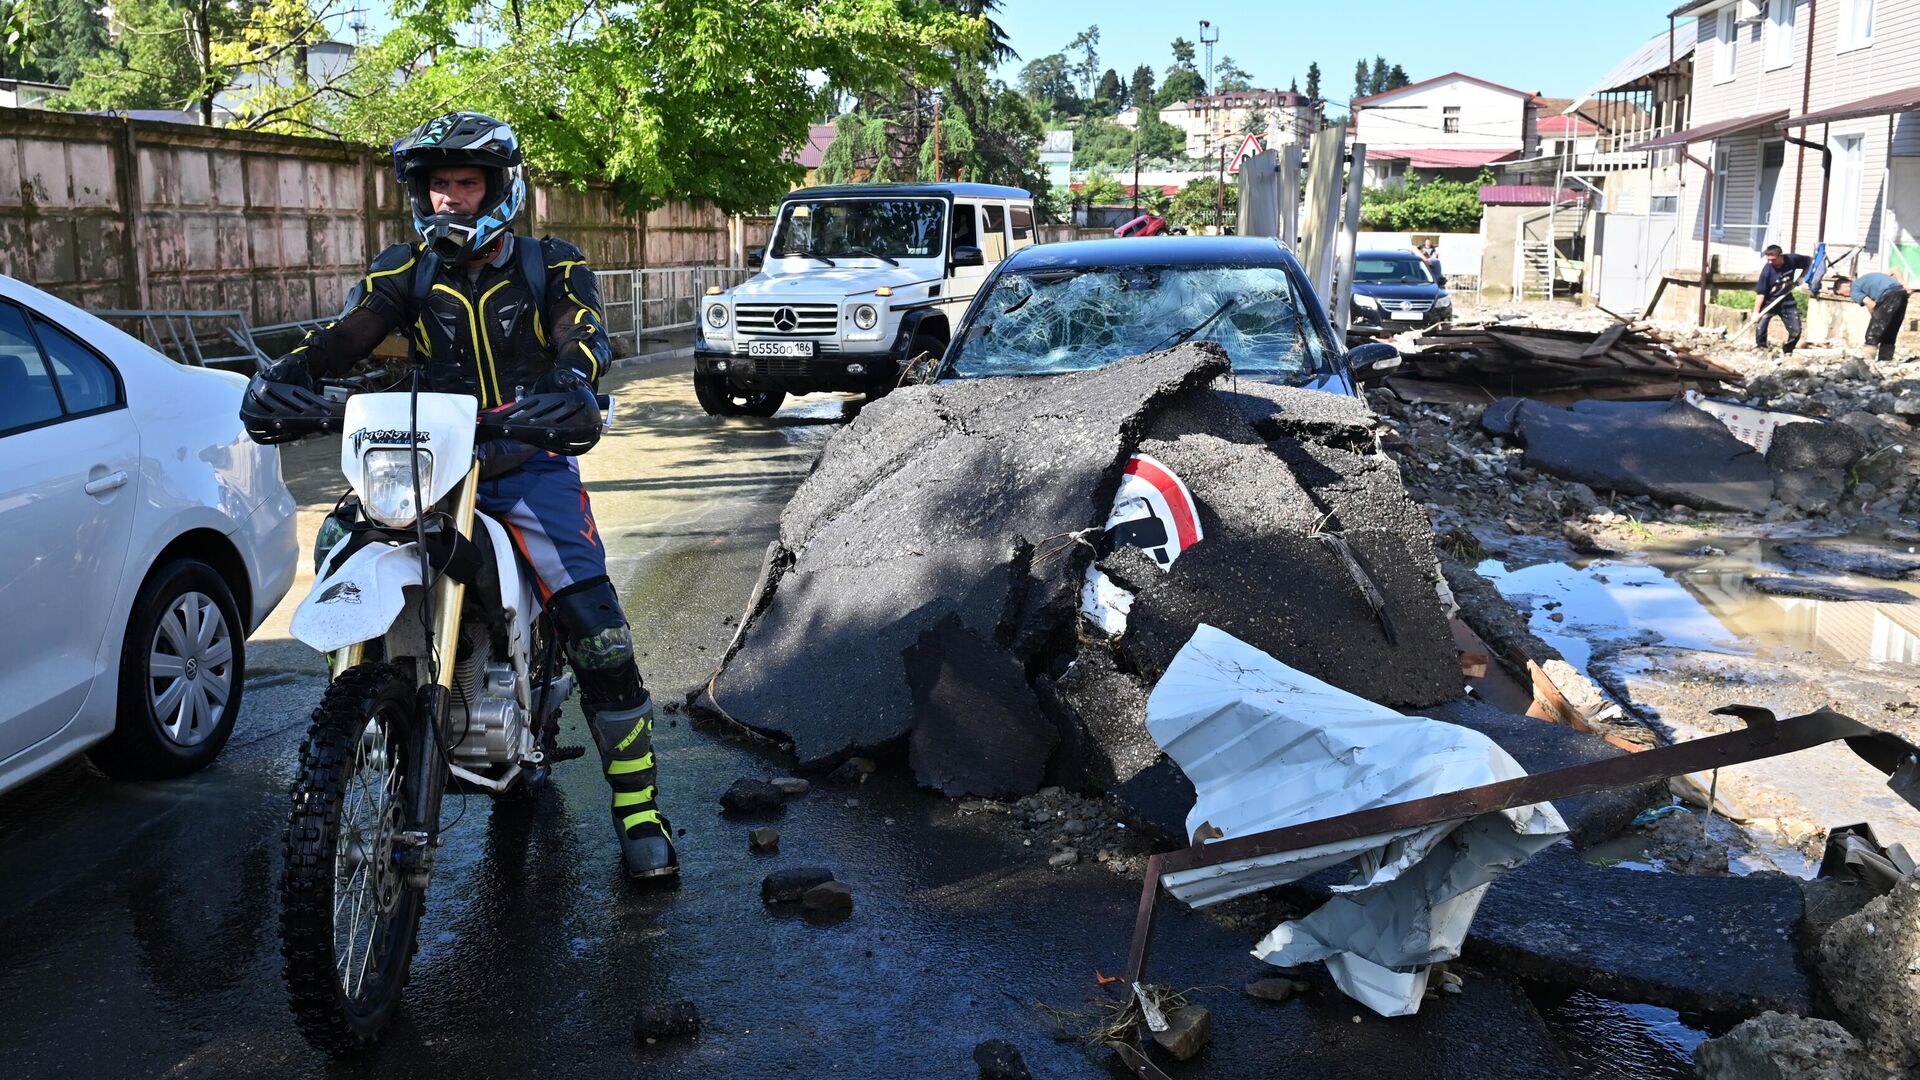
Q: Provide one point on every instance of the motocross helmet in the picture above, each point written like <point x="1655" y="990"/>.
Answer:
<point x="462" y="138"/>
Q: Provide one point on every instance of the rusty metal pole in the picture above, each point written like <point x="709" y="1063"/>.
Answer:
<point x="1706" y="237"/>
<point x="1826" y="186"/>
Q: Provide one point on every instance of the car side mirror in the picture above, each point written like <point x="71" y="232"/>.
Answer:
<point x="968" y="255"/>
<point x="1372" y="360"/>
<point x="756" y="258"/>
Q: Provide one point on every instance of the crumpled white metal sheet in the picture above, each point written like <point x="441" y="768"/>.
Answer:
<point x="1267" y="746"/>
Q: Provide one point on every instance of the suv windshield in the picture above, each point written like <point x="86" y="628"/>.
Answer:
<point x="859" y="228"/>
<point x="1048" y="321"/>
<point x="1391" y="270"/>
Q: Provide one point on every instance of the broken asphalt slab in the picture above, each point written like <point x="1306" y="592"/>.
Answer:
<point x="1812" y="588"/>
<point x="1886" y="563"/>
<point x="1675" y="453"/>
<point x="931" y="505"/>
<point x="1722" y="946"/>
<point x="978" y="728"/>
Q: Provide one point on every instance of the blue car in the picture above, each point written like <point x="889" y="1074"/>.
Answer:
<point x="1056" y="308"/>
<point x="1395" y="291"/>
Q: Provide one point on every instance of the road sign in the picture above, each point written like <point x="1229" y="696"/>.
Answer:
<point x="1247" y="149"/>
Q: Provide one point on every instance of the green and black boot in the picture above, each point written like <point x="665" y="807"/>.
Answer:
<point x="625" y="739"/>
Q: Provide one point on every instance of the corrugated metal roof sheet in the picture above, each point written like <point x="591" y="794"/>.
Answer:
<point x="1523" y="195"/>
<point x="1893" y="101"/>
<point x="1647" y="59"/>
<point x="1709" y="132"/>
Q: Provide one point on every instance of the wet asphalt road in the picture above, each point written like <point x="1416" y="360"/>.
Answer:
<point x="139" y="922"/>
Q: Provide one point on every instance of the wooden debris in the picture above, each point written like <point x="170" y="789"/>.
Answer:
<point x="1473" y="363"/>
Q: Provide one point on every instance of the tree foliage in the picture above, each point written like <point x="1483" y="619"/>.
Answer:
<point x="1101" y="189"/>
<point x="1110" y="95"/>
<point x="1181" y="84"/>
<point x="1140" y="87"/>
<point x="1229" y="77"/>
<point x="664" y="98"/>
<point x="1419" y="205"/>
<point x="1194" y="206"/>
<point x="50" y="40"/>
<point x="1313" y="81"/>
<point x="1087" y="68"/>
<point x="1047" y="82"/>
<point x="164" y="58"/>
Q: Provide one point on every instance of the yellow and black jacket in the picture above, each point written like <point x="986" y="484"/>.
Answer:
<point x="490" y="334"/>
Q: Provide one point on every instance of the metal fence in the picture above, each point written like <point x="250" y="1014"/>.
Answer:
<point x="642" y="302"/>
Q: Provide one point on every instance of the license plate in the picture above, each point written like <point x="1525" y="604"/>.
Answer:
<point x="1409" y="316"/>
<point x="780" y="348"/>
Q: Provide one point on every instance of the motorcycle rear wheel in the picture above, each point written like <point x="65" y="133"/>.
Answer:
<point x="348" y="919"/>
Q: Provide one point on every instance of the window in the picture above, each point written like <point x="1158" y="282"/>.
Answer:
<point x="1721" y="158"/>
<point x="1450" y="119"/>
<point x="1856" y="24"/>
<point x="1726" y="55"/>
<point x="1843" y="197"/>
<point x="86" y="382"/>
<point x="1663" y="204"/>
<point x="27" y="394"/>
<point x="993" y="235"/>
<point x="1022" y="224"/>
<point x="1777" y="38"/>
<point x="965" y="225"/>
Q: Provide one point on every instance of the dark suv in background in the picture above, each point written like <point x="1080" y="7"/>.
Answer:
<point x="1395" y="291"/>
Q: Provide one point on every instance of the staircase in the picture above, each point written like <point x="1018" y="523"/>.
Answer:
<point x="1534" y="269"/>
<point x="1533" y="273"/>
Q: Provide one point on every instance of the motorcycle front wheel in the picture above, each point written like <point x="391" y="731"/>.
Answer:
<point x="348" y="918"/>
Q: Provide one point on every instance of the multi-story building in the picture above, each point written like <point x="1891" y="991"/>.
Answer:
<point x="1224" y="120"/>
<point x="1452" y="125"/>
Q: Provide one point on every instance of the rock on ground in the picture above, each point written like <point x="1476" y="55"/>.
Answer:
<point x="1189" y="1030"/>
<point x="1776" y="1046"/>
<point x="748" y="795"/>
<point x="1810" y="463"/>
<point x="786" y="886"/>
<point x="1000" y="1060"/>
<point x="1716" y="945"/>
<point x="934" y="503"/>
<point x="978" y="729"/>
<point x="1869" y="965"/>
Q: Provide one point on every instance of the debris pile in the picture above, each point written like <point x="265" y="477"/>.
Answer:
<point x="1467" y="363"/>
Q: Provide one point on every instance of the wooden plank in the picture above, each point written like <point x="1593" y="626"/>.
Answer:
<point x="1604" y="342"/>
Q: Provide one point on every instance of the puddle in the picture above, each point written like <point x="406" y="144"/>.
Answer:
<point x="1612" y="1040"/>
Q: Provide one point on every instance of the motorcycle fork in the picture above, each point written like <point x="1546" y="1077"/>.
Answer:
<point x="431" y="730"/>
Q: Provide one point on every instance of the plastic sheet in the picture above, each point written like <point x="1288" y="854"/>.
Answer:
<point x="1267" y="746"/>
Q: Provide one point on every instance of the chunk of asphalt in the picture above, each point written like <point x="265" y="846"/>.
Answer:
<point x="1851" y="559"/>
<point x="1103" y="719"/>
<point x="667" y="1020"/>
<point x="1279" y="411"/>
<point x="1723" y="946"/>
<point x="978" y="729"/>
<point x="751" y="796"/>
<point x="1540" y="746"/>
<point x="1156" y="801"/>
<point x="1677" y="454"/>
<point x="1818" y="588"/>
<point x="953" y="500"/>
<point x="828" y="896"/>
<point x="786" y="886"/>
<point x="764" y="840"/>
<point x="1494" y="618"/>
<point x="1815" y="446"/>
<point x="1189" y="1030"/>
<point x="999" y="1059"/>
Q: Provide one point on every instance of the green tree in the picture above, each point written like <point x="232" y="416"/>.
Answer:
<point x="1377" y="80"/>
<point x="1110" y="96"/>
<point x="1101" y="189"/>
<point x="1229" y="77"/>
<point x="1313" y="81"/>
<point x="1293" y="87"/>
<point x="1181" y="84"/>
<point x="1048" y="83"/>
<point x="164" y="59"/>
<point x="50" y="40"/>
<point x="704" y="99"/>
<point x="1397" y="78"/>
<point x="1182" y="55"/>
<point x="862" y="148"/>
<point x="989" y="133"/>
<point x="999" y="48"/>
<point x="1360" y="78"/>
<point x="1087" y="69"/>
<point x="1159" y="140"/>
<point x="1422" y="205"/>
<point x="1140" y="88"/>
<point x="1194" y="206"/>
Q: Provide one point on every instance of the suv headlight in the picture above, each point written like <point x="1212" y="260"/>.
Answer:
<point x="386" y="485"/>
<point x="716" y="315"/>
<point x="866" y="316"/>
<point x="1365" y="301"/>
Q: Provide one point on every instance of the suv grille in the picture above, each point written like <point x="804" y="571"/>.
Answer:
<point x="808" y="319"/>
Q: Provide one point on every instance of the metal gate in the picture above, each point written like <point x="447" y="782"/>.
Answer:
<point x="1636" y="250"/>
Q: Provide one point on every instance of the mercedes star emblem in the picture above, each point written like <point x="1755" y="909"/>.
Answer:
<point x="785" y="320"/>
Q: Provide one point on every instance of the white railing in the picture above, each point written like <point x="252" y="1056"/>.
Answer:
<point x="640" y="302"/>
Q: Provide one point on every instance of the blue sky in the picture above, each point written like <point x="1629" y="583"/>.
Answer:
<point x="1558" y="49"/>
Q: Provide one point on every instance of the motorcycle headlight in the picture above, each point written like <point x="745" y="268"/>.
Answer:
<point x="386" y="485"/>
<point x="866" y="316"/>
<point x="1365" y="301"/>
<point x="716" y="315"/>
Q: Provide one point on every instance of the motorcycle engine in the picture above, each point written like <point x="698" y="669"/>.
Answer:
<point x="486" y="713"/>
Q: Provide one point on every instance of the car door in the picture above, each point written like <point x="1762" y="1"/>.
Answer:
<point x="67" y="499"/>
<point x="964" y="281"/>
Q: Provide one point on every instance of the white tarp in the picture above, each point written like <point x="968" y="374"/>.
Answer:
<point x="1267" y="746"/>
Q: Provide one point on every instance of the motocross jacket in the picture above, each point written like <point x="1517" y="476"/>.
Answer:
<point x="488" y="331"/>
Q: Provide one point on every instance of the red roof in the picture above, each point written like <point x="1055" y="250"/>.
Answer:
<point x="1566" y="125"/>
<point x="1442" y="159"/>
<point x="1438" y="78"/>
<point x="819" y="137"/>
<point x="1523" y="195"/>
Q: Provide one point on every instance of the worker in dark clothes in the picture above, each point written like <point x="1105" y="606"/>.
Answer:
<point x="1886" y="299"/>
<point x="1773" y="294"/>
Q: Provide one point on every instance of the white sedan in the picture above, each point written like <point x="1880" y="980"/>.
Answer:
<point x="142" y="537"/>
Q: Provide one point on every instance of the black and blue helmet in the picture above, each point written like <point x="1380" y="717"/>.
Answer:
<point x="462" y="138"/>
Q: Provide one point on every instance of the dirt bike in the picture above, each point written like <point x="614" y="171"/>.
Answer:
<point x="444" y="670"/>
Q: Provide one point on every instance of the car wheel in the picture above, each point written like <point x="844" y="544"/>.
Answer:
<point x="719" y="398"/>
<point x="182" y="670"/>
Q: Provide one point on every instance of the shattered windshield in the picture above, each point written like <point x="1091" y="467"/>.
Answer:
<point x="859" y="228"/>
<point x="1056" y="320"/>
<point x="1391" y="271"/>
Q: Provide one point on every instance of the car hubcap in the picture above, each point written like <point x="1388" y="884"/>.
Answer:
<point x="190" y="669"/>
<point x="366" y="883"/>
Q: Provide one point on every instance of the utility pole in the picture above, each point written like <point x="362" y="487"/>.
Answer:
<point x="1136" y="168"/>
<point x="936" y="136"/>
<point x="1220" y="192"/>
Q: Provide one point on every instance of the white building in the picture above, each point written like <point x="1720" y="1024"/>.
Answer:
<point x="1452" y="125"/>
<point x="1223" y="120"/>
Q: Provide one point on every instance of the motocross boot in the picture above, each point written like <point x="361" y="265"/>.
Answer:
<point x="625" y="739"/>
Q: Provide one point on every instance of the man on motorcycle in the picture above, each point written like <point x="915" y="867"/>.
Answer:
<point x="496" y="315"/>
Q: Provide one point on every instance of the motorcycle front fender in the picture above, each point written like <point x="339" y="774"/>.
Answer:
<point x="358" y="601"/>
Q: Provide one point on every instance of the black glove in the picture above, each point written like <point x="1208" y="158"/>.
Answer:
<point x="288" y="371"/>
<point x="562" y="380"/>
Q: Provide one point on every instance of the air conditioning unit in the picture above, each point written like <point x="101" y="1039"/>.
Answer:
<point x="1750" y="12"/>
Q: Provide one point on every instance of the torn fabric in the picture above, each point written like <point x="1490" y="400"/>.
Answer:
<point x="1267" y="746"/>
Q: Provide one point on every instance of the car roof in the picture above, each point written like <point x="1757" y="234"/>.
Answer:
<point x="1387" y="253"/>
<point x="1155" y="250"/>
<point x="971" y="191"/>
